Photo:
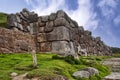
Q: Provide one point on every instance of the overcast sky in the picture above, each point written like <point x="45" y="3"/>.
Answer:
<point x="102" y="17"/>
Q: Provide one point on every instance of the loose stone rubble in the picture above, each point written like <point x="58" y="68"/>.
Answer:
<point x="56" y="33"/>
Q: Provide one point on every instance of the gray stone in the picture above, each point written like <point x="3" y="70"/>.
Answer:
<point x="33" y="17"/>
<point x="81" y="74"/>
<point x="72" y="25"/>
<point x="11" y="19"/>
<point x="18" y="19"/>
<point x="44" y="18"/>
<point x="59" y="33"/>
<point x="13" y="74"/>
<point x="25" y="13"/>
<point x="41" y="24"/>
<point x="22" y="44"/>
<point x="41" y="29"/>
<point x="20" y="77"/>
<point x="60" y="22"/>
<point x="91" y="70"/>
<point x="61" y="13"/>
<point x="31" y="28"/>
<point x="41" y="37"/>
<point x="45" y="47"/>
<point x="19" y="26"/>
<point x="61" y="47"/>
<point x="52" y="16"/>
<point x="112" y="76"/>
<point x="97" y="39"/>
<point x="87" y="32"/>
<point x="49" y="26"/>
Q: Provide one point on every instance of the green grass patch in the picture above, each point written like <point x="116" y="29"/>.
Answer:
<point x="48" y="65"/>
<point x="117" y="55"/>
<point x="3" y="19"/>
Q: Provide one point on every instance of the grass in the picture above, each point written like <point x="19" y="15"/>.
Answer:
<point x="3" y="19"/>
<point x="48" y="66"/>
<point x="117" y="55"/>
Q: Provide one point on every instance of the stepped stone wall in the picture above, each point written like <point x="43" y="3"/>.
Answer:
<point x="57" y="33"/>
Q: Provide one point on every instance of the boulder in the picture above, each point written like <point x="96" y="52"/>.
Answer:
<point x="91" y="70"/>
<point x="81" y="74"/>
<point x="86" y="72"/>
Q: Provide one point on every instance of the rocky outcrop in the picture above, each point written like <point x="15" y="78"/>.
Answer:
<point x="86" y="73"/>
<point x="56" y="33"/>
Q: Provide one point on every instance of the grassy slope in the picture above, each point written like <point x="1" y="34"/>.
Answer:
<point x="3" y="19"/>
<point x="47" y="66"/>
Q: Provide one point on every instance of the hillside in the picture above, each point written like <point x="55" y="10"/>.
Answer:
<point x="115" y="50"/>
<point x="3" y="19"/>
<point x="49" y="66"/>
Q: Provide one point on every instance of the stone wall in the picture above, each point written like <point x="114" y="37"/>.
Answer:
<point x="15" y="41"/>
<point x="57" y="33"/>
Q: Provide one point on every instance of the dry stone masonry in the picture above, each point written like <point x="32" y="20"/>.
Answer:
<point x="56" y="33"/>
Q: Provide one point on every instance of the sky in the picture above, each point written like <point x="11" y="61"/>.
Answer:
<point x="101" y="17"/>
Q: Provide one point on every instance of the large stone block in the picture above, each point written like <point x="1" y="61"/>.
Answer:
<point x="60" y="22"/>
<point x="59" y="33"/>
<point x="49" y="26"/>
<point x="11" y="21"/>
<point x="63" y="47"/>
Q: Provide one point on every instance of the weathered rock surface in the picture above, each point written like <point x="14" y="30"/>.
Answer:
<point x="15" y="41"/>
<point x="113" y="76"/>
<point x="91" y="70"/>
<point x="114" y="65"/>
<point x="81" y="74"/>
<point x="86" y="72"/>
<point x="25" y="77"/>
<point x="56" y="32"/>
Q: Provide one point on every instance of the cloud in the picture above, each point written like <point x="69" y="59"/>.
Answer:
<point x="107" y="7"/>
<point x="117" y="20"/>
<point x="83" y="14"/>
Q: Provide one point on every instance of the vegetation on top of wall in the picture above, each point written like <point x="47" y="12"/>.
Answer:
<point x="3" y="19"/>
